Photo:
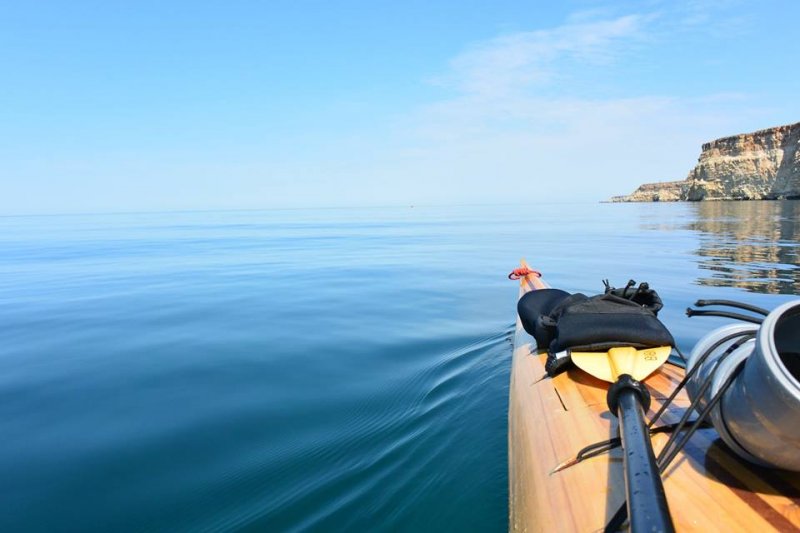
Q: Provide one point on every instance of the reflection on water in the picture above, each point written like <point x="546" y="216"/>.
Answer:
<point x="748" y="245"/>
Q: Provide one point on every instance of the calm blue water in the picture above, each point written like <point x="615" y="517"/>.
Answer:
<point x="328" y="369"/>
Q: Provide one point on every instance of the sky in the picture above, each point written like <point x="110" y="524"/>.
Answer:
<point x="113" y="106"/>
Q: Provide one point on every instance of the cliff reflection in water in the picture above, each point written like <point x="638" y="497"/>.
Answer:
<point x="750" y="245"/>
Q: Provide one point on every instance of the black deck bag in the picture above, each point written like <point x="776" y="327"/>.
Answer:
<point x="603" y="322"/>
<point x="535" y="305"/>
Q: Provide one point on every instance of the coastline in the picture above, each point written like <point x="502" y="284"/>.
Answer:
<point x="762" y="165"/>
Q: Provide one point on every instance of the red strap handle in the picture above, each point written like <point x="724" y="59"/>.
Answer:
<point x="519" y="273"/>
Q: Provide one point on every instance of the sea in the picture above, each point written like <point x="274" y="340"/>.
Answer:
<point x="314" y="369"/>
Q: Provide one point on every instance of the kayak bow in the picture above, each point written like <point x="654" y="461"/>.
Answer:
<point x="552" y="419"/>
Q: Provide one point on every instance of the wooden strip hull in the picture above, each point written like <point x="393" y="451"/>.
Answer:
<point x="550" y="419"/>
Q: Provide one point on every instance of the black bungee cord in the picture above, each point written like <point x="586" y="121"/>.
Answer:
<point x="664" y="460"/>
<point x="597" y="448"/>
<point x="677" y="441"/>
<point x="733" y="303"/>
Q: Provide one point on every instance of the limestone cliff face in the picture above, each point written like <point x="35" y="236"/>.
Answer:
<point x="753" y="166"/>
<point x="761" y="165"/>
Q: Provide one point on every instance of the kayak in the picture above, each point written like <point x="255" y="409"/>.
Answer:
<point x="551" y="419"/>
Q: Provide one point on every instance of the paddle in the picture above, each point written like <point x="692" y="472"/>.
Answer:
<point x="628" y="399"/>
<point x="609" y="366"/>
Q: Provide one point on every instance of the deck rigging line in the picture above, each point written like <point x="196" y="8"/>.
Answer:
<point x="678" y="439"/>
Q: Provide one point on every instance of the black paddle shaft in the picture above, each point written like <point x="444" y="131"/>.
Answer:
<point x="647" y="503"/>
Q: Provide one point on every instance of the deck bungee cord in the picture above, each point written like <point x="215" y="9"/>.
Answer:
<point x="676" y="441"/>
<point x="597" y="448"/>
<point x="616" y="337"/>
<point x="723" y="366"/>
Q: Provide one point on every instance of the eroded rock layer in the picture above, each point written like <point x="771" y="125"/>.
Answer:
<point x="662" y="191"/>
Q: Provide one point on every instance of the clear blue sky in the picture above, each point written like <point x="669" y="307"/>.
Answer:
<point x="118" y="106"/>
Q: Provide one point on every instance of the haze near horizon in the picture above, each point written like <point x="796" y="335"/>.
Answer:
<point x="308" y="104"/>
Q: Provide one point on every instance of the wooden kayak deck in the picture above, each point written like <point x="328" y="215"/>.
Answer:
<point x="550" y="419"/>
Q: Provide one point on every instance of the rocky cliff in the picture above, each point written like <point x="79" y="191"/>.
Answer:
<point x="663" y="191"/>
<point x="762" y="165"/>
